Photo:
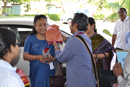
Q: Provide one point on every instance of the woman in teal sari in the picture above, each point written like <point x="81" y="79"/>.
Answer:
<point x="100" y="46"/>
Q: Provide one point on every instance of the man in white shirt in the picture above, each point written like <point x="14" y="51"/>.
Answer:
<point x="122" y="26"/>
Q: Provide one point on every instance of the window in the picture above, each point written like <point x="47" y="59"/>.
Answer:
<point x="22" y="32"/>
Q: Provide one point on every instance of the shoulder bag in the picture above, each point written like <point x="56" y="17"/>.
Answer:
<point x="57" y="81"/>
<point x="106" y="77"/>
<point x="92" y="59"/>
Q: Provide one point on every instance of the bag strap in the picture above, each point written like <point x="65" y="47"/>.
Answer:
<point x="92" y="59"/>
<point x="60" y="67"/>
<point x="106" y="62"/>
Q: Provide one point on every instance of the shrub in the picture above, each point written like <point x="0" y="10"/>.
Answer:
<point x="13" y="14"/>
<point x="54" y="17"/>
<point x="29" y="14"/>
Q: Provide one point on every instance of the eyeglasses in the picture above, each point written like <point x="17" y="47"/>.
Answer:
<point x="121" y="12"/>
<point x="70" y="23"/>
<point x="18" y="44"/>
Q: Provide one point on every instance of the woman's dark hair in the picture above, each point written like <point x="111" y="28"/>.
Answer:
<point x="82" y="21"/>
<point x="91" y="21"/>
<point x="36" y="18"/>
<point x="7" y="37"/>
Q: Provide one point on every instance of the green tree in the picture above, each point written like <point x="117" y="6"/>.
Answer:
<point x="115" y="6"/>
<point x="126" y="5"/>
<point x="5" y="3"/>
<point x="19" y="1"/>
<point x="101" y="4"/>
<point x="28" y="6"/>
<point x="49" y="1"/>
<point x="91" y="1"/>
<point x="14" y="1"/>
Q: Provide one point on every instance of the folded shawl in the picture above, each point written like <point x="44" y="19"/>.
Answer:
<point x="53" y="34"/>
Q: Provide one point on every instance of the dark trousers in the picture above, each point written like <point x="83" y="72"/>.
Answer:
<point x="119" y="48"/>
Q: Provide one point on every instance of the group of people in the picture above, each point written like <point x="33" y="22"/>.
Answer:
<point x="79" y="67"/>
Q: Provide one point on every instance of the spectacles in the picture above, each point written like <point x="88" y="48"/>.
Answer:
<point x="70" y="23"/>
<point x="121" y="12"/>
<point x="18" y="44"/>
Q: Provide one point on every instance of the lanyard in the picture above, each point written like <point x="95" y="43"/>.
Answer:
<point x="79" y="33"/>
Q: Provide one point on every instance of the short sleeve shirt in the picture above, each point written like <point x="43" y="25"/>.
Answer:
<point x="121" y="28"/>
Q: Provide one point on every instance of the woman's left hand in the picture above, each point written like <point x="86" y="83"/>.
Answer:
<point x="51" y="59"/>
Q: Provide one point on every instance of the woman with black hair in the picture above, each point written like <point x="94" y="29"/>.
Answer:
<point x="100" y="46"/>
<point x="8" y="51"/>
<point x="34" y="47"/>
<point x="77" y="58"/>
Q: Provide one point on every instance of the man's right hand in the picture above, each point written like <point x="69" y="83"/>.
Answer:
<point x="117" y="69"/>
<point x="114" y="50"/>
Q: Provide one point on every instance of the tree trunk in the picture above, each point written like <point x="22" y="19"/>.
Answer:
<point x="63" y="7"/>
<point x="5" y="3"/>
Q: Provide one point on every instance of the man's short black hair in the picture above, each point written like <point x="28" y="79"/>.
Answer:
<point x="123" y="9"/>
